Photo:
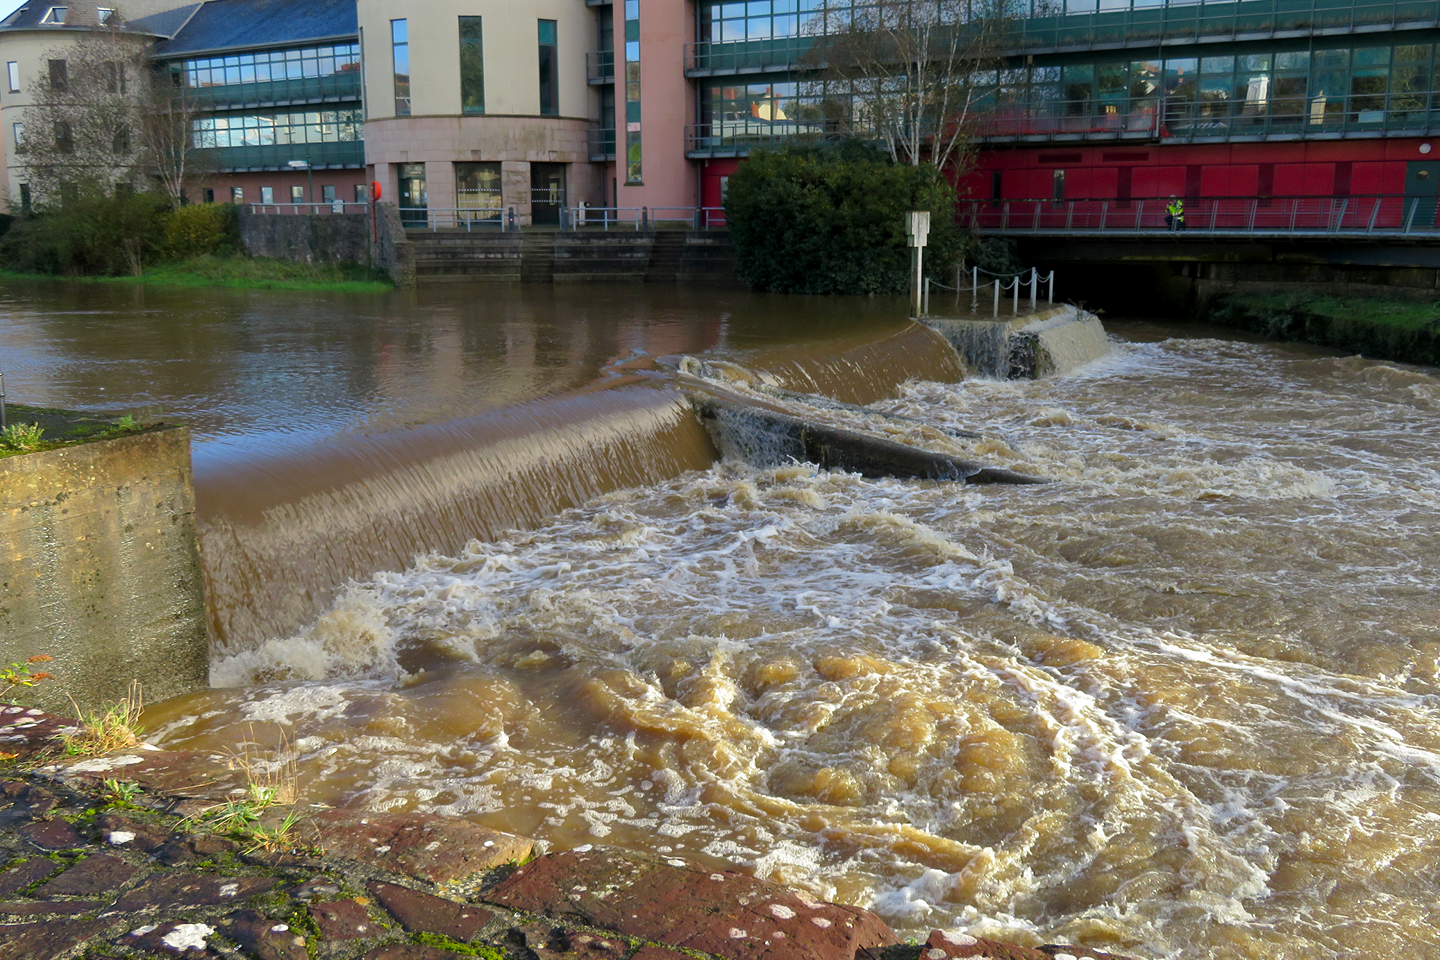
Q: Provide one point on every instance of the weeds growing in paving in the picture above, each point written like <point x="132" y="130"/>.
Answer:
<point x="21" y="437"/>
<point x="117" y="727"/>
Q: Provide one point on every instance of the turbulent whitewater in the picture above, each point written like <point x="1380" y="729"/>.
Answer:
<point x="1180" y="702"/>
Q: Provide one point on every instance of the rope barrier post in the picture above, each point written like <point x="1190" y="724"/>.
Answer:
<point x="974" y="289"/>
<point x="1034" y="279"/>
<point x="1015" y="304"/>
<point x="1051" y="287"/>
<point x="996" y="313"/>
<point x="925" y="307"/>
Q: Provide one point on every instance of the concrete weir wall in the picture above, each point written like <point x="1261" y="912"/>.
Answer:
<point x="1053" y="340"/>
<point x="100" y="569"/>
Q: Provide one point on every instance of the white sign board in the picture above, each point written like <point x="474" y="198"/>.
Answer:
<point x="917" y="224"/>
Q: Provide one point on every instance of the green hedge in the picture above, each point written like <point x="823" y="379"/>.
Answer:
<point x="832" y="220"/>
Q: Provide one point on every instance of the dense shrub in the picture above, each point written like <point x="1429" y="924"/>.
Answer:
<point x="832" y="220"/>
<point x="94" y="235"/>
<point x="202" y="229"/>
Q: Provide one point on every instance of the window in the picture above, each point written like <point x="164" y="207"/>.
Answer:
<point x="115" y="77"/>
<point x="237" y="194"/>
<point x="59" y="75"/>
<point x="120" y="144"/>
<point x="54" y="15"/>
<point x="17" y="130"/>
<point x="472" y="67"/>
<point x="12" y="72"/>
<point x="632" y="92"/>
<point x="278" y="128"/>
<point x="267" y="194"/>
<point x="1057" y="186"/>
<point x="64" y="137"/>
<point x="362" y="194"/>
<point x="327" y="193"/>
<point x="477" y="191"/>
<point x="400" y="46"/>
<point x="297" y="194"/>
<point x="342" y="59"/>
<point x="103" y="14"/>
<point x="209" y="195"/>
<point x="549" y="70"/>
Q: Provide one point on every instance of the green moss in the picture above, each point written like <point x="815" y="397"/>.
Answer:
<point x="484" y="951"/>
<point x="64" y="428"/>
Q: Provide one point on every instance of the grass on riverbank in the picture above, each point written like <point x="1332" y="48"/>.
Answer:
<point x="254" y="273"/>
<point x="1404" y="330"/>
<point x="32" y="429"/>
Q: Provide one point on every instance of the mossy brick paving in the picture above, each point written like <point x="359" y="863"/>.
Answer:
<point x="85" y="878"/>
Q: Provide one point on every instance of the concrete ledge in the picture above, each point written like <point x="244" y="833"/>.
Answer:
<point x="1053" y="340"/>
<point x="100" y="569"/>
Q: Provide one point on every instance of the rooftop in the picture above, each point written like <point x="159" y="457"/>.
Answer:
<point x="240" y="24"/>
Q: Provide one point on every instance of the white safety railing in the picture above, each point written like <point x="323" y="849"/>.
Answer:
<point x="1012" y="282"/>
<point x="460" y="218"/>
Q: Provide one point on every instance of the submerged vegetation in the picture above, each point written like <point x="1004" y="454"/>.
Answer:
<point x="1404" y="330"/>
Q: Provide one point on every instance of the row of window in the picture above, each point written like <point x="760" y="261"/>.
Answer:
<point x="116" y="140"/>
<point x="328" y="194"/>
<point x="279" y="128"/>
<point x="471" y="35"/>
<point x="1313" y="83"/>
<point x="272" y="65"/>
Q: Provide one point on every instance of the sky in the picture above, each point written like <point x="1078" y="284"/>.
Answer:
<point x="8" y="7"/>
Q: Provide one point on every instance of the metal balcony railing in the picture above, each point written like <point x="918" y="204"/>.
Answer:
<point x="600" y="66"/>
<point x="1415" y="112"/>
<point x="746" y="56"/>
<point x="602" y="144"/>
<point x="1223" y="20"/>
<point x="347" y="154"/>
<point x="1364" y="216"/>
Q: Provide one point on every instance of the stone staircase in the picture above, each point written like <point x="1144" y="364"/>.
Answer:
<point x="667" y="254"/>
<point x="537" y="257"/>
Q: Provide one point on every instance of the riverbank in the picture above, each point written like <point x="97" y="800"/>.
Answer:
<point x="144" y="852"/>
<point x="256" y="273"/>
<point x="1384" y="329"/>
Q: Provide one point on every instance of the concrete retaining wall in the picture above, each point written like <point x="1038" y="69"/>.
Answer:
<point x="323" y="238"/>
<point x="100" y="569"/>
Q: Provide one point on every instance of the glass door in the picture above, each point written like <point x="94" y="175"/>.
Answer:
<point x="547" y="193"/>
<point x="477" y="192"/>
<point x="414" y="200"/>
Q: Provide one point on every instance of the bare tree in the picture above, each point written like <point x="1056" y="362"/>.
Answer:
<point x="911" y="73"/>
<point x="168" y="132"/>
<point x="81" y="130"/>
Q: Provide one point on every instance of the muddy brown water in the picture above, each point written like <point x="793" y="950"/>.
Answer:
<point x="1180" y="702"/>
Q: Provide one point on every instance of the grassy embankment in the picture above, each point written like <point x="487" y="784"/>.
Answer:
<point x="1401" y="330"/>
<point x="255" y="273"/>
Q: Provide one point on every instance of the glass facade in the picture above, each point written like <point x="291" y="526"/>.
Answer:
<point x="271" y="65"/>
<point x="400" y="53"/>
<point x="549" y="51"/>
<point x="634" y="170"/>
<point x="279" y="128"/>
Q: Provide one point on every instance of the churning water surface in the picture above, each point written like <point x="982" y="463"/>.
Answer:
<point x="1180" y="702"/>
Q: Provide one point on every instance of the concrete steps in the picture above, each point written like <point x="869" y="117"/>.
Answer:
<point x="538" y="255"/>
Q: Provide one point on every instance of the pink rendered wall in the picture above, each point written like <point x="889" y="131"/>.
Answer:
<point x="666" y="104"/>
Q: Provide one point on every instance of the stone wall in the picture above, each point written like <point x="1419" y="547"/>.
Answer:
<point x="100" y="569"/>
<point x="310" y="238"/>
<point x="392" y="250"/>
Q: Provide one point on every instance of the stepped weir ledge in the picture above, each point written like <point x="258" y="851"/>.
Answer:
<point x="1085" y="711"/>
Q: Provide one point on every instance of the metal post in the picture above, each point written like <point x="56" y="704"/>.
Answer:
<point x="1034" y="279"/>
<point x="1015" y="298"/>
<point x="996" y="311"/>
<point x="511" y="221"/>
<point x="916" y="294"/>
<point x="926" y="305"/>
<point x="645" y="218"/>
<point x="974" y="289"/>
<point x="1052" y="287"/>
<point x="3" y="424"/>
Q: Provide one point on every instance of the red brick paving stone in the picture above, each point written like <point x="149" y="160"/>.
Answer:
<point x="422" y="913"/>
<point x="343" y="920"/>
<point x="404" y="951"/>
<point x="943" y="944"/>
<point x="20" y="801"/>
<point x="25" y="733"/>
<point x="192" y="890"/>
<point x="51" y="835"/>
<point x="22" y="875"/>
<point x="120" y="831"/>
<point x="547" y="942"/>
<point x="725" y="913"/>
<point x="96" y="874"/>
<point x="186" y="849"/>
<point x="70" y="908"/>
<point x="189" y="773"/>
<point x="319" y="886"/>
<point x="658" y="953"/>
<point x="48" y="939"/>
<point x="172" y="939"/>
<point x="267" y="939"/>
<point x="442" y="850"/>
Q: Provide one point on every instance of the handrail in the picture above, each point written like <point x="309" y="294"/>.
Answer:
<point x="1367" y="215"/>
<point x="319" y="209"/>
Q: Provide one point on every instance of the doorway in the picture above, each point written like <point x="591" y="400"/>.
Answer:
<point x="547" y="192"/>
<point x="1422" y="191"/>
<point x="414" y="198"/>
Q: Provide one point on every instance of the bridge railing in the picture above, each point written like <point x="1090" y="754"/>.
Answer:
<point x="1237" y="216"/>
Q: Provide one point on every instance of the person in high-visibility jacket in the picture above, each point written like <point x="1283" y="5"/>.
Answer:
<point x="1175" y="213"/>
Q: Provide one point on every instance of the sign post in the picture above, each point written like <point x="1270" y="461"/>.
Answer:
<point x="917" y="226"/>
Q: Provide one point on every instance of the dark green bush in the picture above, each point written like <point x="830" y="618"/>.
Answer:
<point x="202" y="229"/>
<point x="90" y="235"/>
<point x="832" y="220"/>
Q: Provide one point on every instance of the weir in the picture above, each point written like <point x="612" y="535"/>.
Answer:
<point x="1027" y="347"/>
<point x="282" y="535"/>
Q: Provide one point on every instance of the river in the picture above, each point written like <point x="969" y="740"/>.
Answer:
<point x="1180" y="702"/>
